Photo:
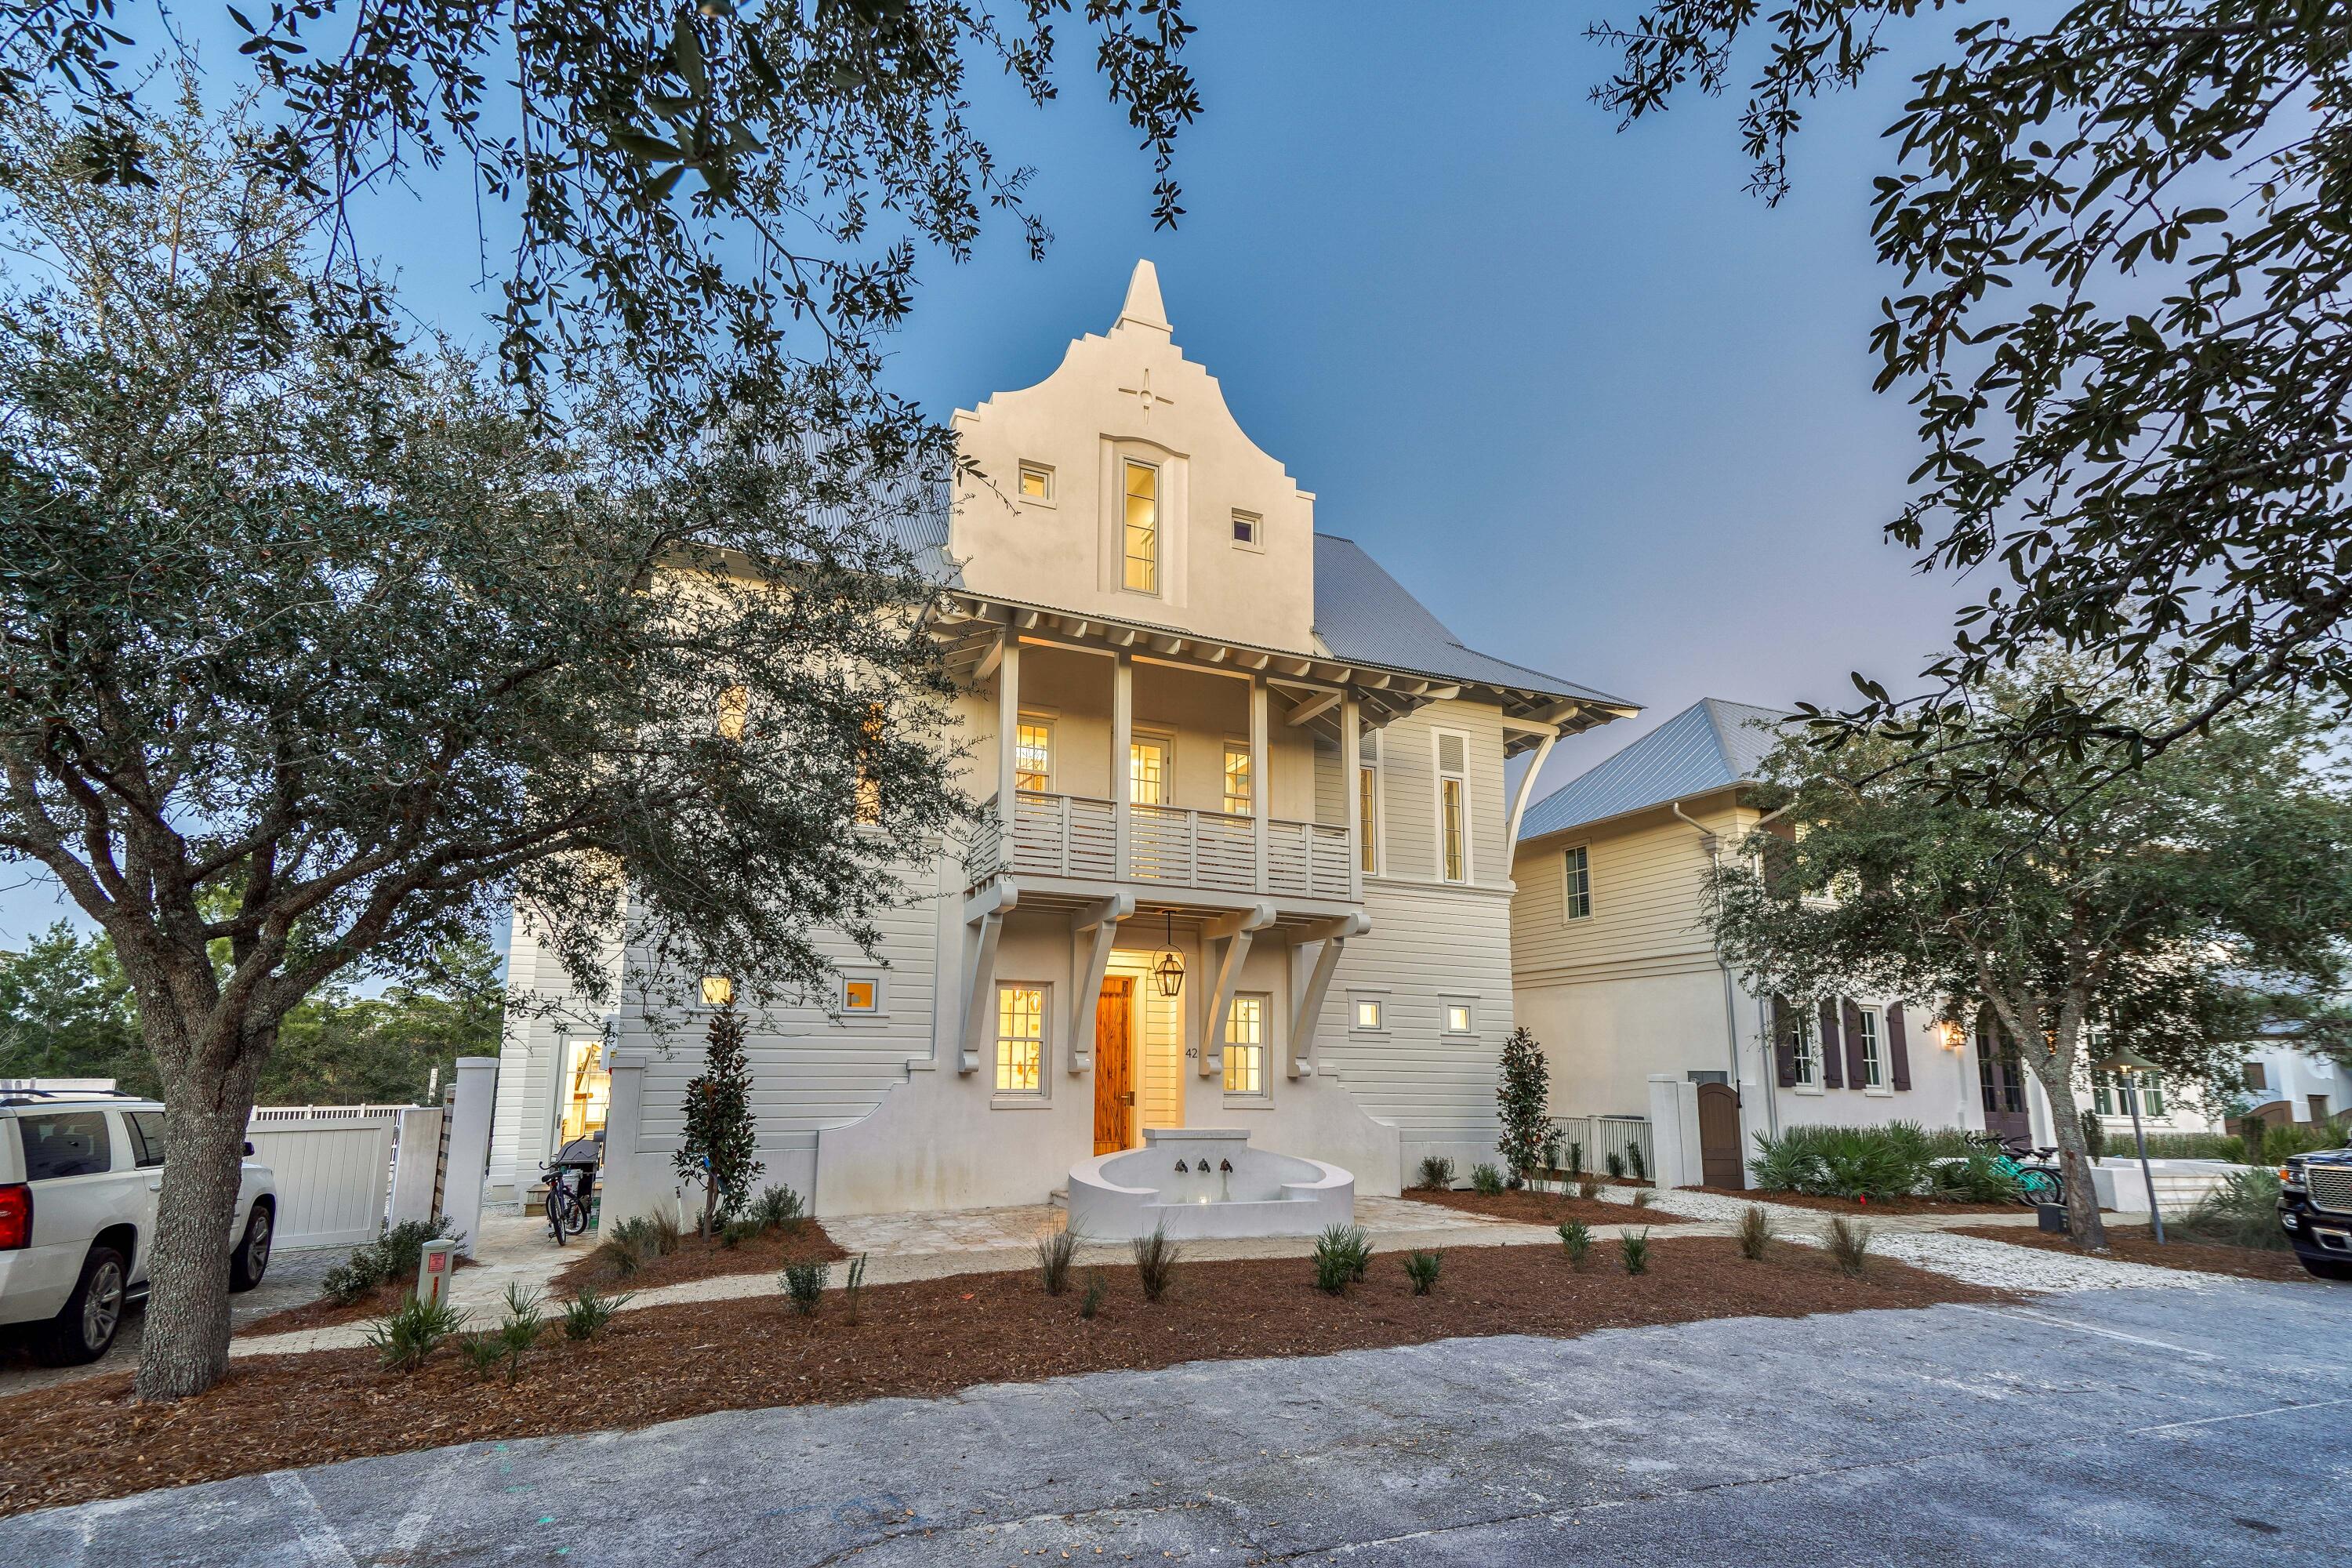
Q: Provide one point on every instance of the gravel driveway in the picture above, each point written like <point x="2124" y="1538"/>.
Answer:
<point x="2117" y="1426"/>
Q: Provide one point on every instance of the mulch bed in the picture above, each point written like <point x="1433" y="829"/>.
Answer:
<point x="1546" y="1209"/>
<point x="924" y="1339"/>
<point x="326" y="1312"/>
<point x="804" y="1242"/>
<point x="2136" y="1244"/>
<point x="1848" y="1206"/>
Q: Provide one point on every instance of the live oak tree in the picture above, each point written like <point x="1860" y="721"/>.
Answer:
<point x="2125" y="327"/>
<point x="318" y="650"/>
<point x="2196" y="898"/>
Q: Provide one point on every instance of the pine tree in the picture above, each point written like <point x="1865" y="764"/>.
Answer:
<point x="718" y="1149"/>
<point x="1522" y="1102"/>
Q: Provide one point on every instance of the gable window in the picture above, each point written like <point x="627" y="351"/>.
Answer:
<point x="1576" y="897"/>
<point x="1245" y="1046"/>
<point x="1238" y="797"/>
<point x="1020" y="1040"/>
<point x="1142" y="528"/>
<point x="1367" y="803"/>
<point x="1249" y="532"/>
<point x="1033" y="756"/>
<point x="1871" y="1030"/>
<point x="1452" y="805"/>
<point x="1036" y="482"/>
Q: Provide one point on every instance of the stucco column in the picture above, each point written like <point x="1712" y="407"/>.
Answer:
<point x="627" y="1193"/>
<point x="1667" y="1157"/>
<point x="470" y="1147"/>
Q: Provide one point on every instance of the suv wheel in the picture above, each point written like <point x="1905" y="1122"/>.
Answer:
<point x="250" y="1261"/>
<point x="85" y="1329"/>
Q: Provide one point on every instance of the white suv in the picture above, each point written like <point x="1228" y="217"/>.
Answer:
<point x="80" y="1174"/>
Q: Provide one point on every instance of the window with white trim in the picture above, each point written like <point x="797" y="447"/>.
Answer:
<point x="1142" y="535"/>
<point x="1020" y="1040"/>
<point x="1871" y="1032"/>
<point x="1036" y="482"/>
<point x="1249" y="531"/>
<point x="1245" y="1046"/>
<point x="1461" y="1015"/>
<point x="1368" y="802"/>
<point x="1453" y="804"/>
<point x="1032" y="755"/>
<point x="1238" y="791"/>
<point x="1576" y="883"/>
<point x="1807" y="1048"/>
<point x="861" y="992"/>
<point x="1368" y="1012"/>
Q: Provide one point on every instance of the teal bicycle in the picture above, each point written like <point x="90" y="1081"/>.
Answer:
<point x="2037" y="1178"/>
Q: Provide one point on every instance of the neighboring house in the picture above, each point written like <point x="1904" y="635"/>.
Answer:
<point x="2284" y="1084"/>
<point x="1613" y="971"/>
<point x="1199" y="727"/>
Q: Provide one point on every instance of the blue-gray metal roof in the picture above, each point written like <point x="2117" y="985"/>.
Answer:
<point x="1362" y="613"/>
<point x="1710" y="745"/>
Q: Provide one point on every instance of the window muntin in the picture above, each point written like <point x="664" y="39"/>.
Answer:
<point x="717" y="991"/>
<point x="1147" y="771"/>
<point x="1368" y="804"/>
<point x="1020" y="1039"/>
<point x="1576" y="896"/>
<point x="1142" y="532"/>
<point x="65" y="1143"/>
<point x="1238" y="795"/>
<point x="1245" y="1046"/>
<point x="1033" y="756"/>
<point x="1367" y="1012"/>
<point x="1036" y="482"/>
<point x="2114" y="1093"/>
<point x="1871" y="1030"/>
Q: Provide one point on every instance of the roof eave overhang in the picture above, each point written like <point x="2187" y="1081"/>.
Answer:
<point x="1590" y="823"/>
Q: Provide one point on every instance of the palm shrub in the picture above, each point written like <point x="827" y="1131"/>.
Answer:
<point x="1976" y="1177"/>
<point x="586" y="1314"/>
<point x="1575" y="1241"/>
<point x="1754" y="1232"/>
<point x="1156" y="1257"/>
<point x="1486" y="1179"/>
<point x="1845" y="1162"/>
<point x="1055" y="1251"/>
<point x="1633" y="1250"/>
<point x="520" y="1330"/>
<point x="411" y="1331"/>
<point x="1522" y="1102"/>
<point x="1437" y="1174"/>
<point x="1422" y="1267"/>
<point x="1576" y="1157"/>
<point x="2283" y="1142"/>
<point x="805" y="1284"/>
<point x="484" y="1353"/>
<point x="2242" y="1211"/>
<point x="1343" y="1253"/>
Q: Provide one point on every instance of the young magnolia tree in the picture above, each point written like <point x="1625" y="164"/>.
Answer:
<point x="1523" y="1103"/>
<point x="313" y="652"/>
<point x="2169" y="911"/>
<point x="719" y="1147"/>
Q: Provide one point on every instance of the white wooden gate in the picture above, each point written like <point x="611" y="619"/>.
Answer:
<point x="335" y="1173"/>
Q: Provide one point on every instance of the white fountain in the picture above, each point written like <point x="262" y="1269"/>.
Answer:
<point x="1206" y="1182"/>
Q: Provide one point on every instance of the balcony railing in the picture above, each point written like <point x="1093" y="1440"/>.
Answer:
<point x="1075" y="836"/>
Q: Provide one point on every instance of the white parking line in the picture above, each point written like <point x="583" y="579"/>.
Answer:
<point x="2051" y="1320"/>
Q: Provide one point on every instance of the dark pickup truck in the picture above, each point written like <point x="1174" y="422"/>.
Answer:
<point x="2315" y="1208"/>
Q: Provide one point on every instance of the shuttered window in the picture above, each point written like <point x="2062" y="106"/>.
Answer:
<point x="1871" y="1032"/>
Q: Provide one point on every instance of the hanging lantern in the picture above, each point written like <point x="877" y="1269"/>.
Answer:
<point x="1168" y="964"/>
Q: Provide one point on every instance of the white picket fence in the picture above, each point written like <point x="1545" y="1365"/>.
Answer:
<point x="1604" y="1136"/>
<point x="345" y="1171"/>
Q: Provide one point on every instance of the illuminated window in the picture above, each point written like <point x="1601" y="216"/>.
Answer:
<point x="1036" y="482"/>
<point x="717" y="991"/>
<point x="1457" y="860"/>
<point x="1367" y="1012"/>
<point x="1245" y="1046"/>
<point x="1577" y="898"/>
<point x="1148" y="771"/>
<point x="1020" y="1039"/>
<point x="1457" y="1017"/>
<point x="1143" y="527"/>
<point x="869" y="788"/>
<point x="1368" y="804"/>
<point x="1453" y="807"/>
<point x="1237" y="779"/>
<point x="1033" y="756"/>
<point x="1871" y="1030"/>
<point x="734" y="713"/>
<point x="860" y="994"/>
<point x="587" y="1090"/>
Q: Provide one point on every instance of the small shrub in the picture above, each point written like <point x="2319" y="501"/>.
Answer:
<point x="1975" y="1178"/>
<point x="484" y="1355"/>
<point x="1576" y="1159"/>
<point x="1892" y="1161"/>
<point x="585" y="1315"/>
<point x="778" y="1208"/>
<point x="1437" y="1174"/>
<point x="1848" y="1243"/>
<point x="852" y="1289"/>
<point x="1486" y="1179"/>
<point x="1096" y="1289"/>
<point x="1616" y="1165"/>
<point x="1055" y="1250"/>
<point x="1588" y="1186"/>
<point x="390" y="1260"/>
<point x="1636" y="1163"/>
<point x="2095" y="1135"/>
<point x="1644" y="1196"/>
<point x="1575" y="1240"/>
<point x="2281" y="1142"/>
<point x="1422" y="1267"/>
<point x="1754" y="1232"/>
<point x="1156" y="1257"/>
<point x="1552" y="1150"/>
<point x="522" y="1329"/>
<point x="1633" y="1250"/>
<point x="411" y="1331"/>
<point x="1342" y="1253"/>
<point x="735" y="1232"/>
<point x="805" y="1284"/>
<point x="665" y="1234"/>
<point x="2240" y="1211"/>
<point x="623" y="1251"/>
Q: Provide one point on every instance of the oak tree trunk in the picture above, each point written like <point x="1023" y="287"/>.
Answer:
<point x="2082" y="1222"/>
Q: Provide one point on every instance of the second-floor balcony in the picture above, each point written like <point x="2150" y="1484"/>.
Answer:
<point x="1077" y="836"/>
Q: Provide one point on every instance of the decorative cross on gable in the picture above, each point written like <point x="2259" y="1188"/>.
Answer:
<point x="1145" y="395"/>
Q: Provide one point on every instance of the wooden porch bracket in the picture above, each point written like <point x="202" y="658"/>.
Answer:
<point x="1230" y="936"/>
<point x="1092" y="930"/>
<point x="1308" y="990"/>
<point x="984" y="916"/>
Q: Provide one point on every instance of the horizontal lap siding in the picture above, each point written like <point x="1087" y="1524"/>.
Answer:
<point x="1649" y="893"/>
<point x="1424" y="945"/>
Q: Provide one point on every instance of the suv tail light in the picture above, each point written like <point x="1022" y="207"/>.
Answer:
<point x="15" y="1216"/>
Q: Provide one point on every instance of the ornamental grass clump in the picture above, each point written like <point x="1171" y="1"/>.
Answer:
<point x="1486" y="1179"/>
<point x="853" y="1291"/>
<point x="1633" y="1250"/>
<point x="1156" y="1257"/>
<point x="2242" y="1211"/>
<point x="1644" y="1196"/>
<point x="1422" y="1268"/>
<point x="1848" y="1243"/>
<point x="411" y="1331"/>
<point x="1588" y="1186"/>
<point x="1575" y="1241"/>
<point x="1057" y="1249"/>
<point x="1097" y="1288"/>
<point x="1755" y="1233"/>
<point x="805" y="1284"/>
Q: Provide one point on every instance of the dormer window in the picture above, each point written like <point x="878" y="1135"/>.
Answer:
<point x="1036" y="482"/>
<point x="1249" y="531"/>
<point x="1142" y="528"/>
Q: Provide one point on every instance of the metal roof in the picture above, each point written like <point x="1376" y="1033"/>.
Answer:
<point x="1710" y="745"/>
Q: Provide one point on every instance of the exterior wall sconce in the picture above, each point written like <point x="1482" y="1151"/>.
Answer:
<point x="1168" y="964"/>
<point x="1951" y="1037"/>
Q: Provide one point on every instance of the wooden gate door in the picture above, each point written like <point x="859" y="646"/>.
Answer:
<point x="1719" y="1136"/>
<point x="1113" y="1066"/>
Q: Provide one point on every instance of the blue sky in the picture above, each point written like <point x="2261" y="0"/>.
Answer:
<point x="1604" y="412"/>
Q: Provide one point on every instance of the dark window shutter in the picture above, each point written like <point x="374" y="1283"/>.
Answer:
<point x="1857" y="1073"/>
<point x="1784" y="1042"/>
<point x="1833" y="1065"/>
<point x="1898" y="1047"/>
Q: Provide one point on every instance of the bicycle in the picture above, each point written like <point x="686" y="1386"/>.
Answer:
<point x="2037" y="1183"/>
<point x="567" y="1198"/>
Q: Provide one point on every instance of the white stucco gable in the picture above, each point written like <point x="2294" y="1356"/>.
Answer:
<point x="1132" y="396"/>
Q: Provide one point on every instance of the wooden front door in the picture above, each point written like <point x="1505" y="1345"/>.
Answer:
<point x="1719" y="1136"/>
<point x="1113" y="1066"/>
